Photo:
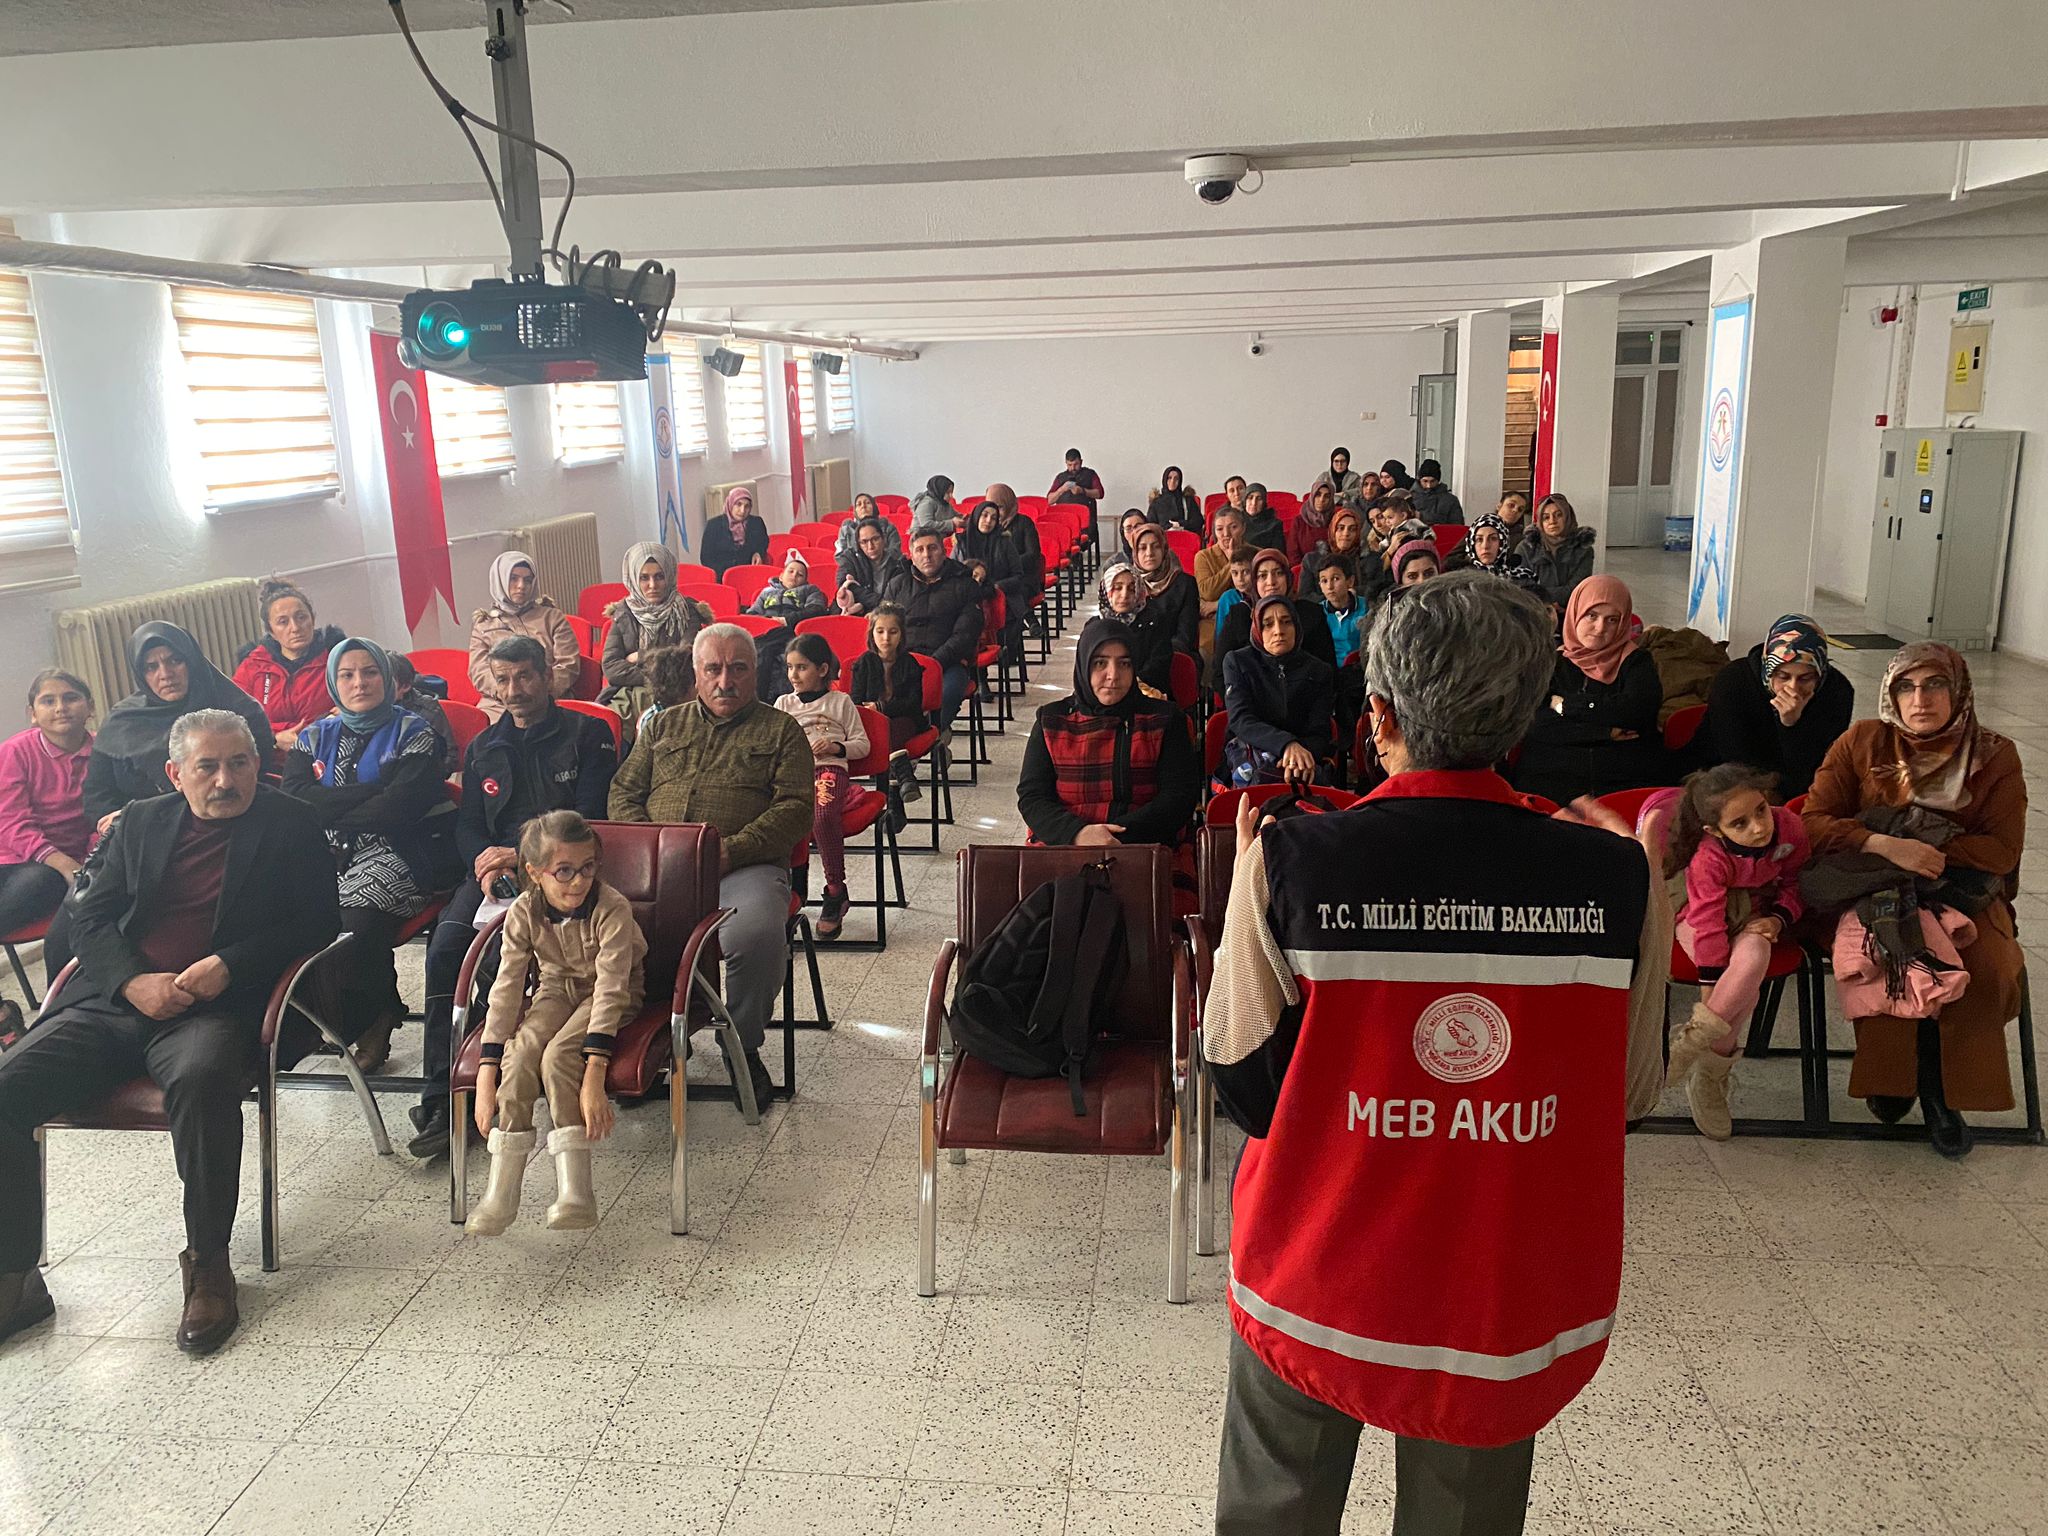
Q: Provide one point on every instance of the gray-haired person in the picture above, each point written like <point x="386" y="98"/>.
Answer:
<point x="194" y="905"/>
<point x="1433" y="1016"/>
<point x="532" y="759"/>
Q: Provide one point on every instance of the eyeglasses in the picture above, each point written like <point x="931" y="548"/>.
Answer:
<point x="1933" y="687"/>
<point x="569" y="874"/>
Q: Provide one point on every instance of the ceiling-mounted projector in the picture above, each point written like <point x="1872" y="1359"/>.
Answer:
<point x="495" y="332"/>
<point x="724" y="360"/>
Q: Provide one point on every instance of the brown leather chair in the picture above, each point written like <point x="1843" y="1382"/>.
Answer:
<point x="1138" y="1085"/>
<point x="138" y="1105"/>
<point x="670" y="875"/>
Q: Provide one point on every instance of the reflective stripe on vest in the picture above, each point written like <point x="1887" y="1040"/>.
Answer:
<point x="1418" y="1357"/>
<point x="1496" y="970"/>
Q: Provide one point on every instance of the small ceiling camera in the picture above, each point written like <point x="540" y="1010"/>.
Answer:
<point x="1216" y="177"/>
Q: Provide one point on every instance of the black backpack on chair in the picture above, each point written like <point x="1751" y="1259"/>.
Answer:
<point x="1034" y="993"/>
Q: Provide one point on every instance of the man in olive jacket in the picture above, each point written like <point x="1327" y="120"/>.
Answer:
<point x="744" y="767"/>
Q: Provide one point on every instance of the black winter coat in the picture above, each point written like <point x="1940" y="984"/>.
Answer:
<point x="1742" y="727"/>
<point x="1574" y="753"/>
<point x="1563" y="568"/>
<point x="1311" y="630"/>
<point x="942" y="616"/>
<point x="1275" y="701"/>
<point x="565" y="761"/>
<point x="719" y="550"/>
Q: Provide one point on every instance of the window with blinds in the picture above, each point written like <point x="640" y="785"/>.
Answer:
<point x="259" y="395"/>
<point x="746" y="407"/>
<point x="32" y="510"/>
<point x="588" y="427"/>
<point x="693" y="437"/>
<point x="839" y="398"/>
<point x="472" y="427"/>
<point x="806" y="390"/>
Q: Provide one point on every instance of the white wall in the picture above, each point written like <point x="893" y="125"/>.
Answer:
<point x="2015" y="397"/>
<point x="131" y="471"/>
<point x="987" y="411"/>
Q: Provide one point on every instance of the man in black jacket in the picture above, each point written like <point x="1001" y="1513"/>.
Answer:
<point x="535" y="758"/>
<point x="942" y="616"/>
<point x="1436" y="502"/>
<point x="196" y="903"/>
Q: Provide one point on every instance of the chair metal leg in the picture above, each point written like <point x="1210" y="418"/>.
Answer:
<point x="43" y="1189"/>
<point x="2030" y="1073"/>
<point x="928" y="1177"/>
<point x="21" y="975"/>
<point x="366" y="1101"/>
<point x="266" y="1138"/>
<point x="458" y="1157"/>
<point x="735" y="1052"/>
<point x="679" y="1147"/>
<point x="1205" y="1159"/>
<point x="1177" y="1207"/>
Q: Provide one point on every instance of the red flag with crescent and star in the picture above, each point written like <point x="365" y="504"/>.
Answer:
<point x="419" y="530"/>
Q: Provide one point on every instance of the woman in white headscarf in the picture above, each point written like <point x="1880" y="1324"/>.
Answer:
<point x="652" y="616"/>
<point x="517" y="608"/>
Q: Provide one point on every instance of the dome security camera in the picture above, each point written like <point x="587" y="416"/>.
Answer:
<point x="1216" y="177"/>
<point x="1257" y="348"/>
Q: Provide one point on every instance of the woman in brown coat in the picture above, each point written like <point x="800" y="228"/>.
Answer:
<point x="1926" y="749"/>
<point x="517" y="608"/>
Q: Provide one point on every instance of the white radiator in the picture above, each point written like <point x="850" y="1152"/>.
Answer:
<point x="831" y="486"/>
<point x="565" y="557"/>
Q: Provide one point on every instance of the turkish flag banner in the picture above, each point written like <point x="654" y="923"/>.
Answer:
<point x="419" y="530"/>
<point x="1546" y="419"/>
<point x="799" y="482"/>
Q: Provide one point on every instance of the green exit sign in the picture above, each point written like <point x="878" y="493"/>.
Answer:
<point x="1973" y="298"/>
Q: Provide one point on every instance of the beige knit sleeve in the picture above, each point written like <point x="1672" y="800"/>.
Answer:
<point x="508" y="992"/>
<point x="1253" y="983"/>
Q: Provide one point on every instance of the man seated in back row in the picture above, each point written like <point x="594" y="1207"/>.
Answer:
<point x="744" y="767"/>
<point x="196" y="903"/>
<point x="535" y="757"/>
<point x="942" y="608"/>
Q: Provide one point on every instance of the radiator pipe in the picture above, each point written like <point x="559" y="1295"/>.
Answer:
<point x="97" y="261"/>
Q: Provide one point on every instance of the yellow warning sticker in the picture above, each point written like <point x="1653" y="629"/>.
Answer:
<point x="1962" y="371"/>
<point x="1923" y="456"/>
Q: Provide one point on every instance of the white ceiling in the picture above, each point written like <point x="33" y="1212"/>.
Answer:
<point x="1006" y="168"/>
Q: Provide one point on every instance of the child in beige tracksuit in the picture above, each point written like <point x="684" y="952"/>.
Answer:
<point x="582" y="935"/>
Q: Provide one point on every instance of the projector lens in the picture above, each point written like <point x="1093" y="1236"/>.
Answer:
<point x="442" y="332"/>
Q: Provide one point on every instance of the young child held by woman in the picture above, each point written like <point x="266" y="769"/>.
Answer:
<point x="589" y="948"/>
<point x="1742" y="857"/>
<point x="832" y="722"/>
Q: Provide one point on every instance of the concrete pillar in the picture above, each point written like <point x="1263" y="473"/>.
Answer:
<point x="1481" y="426"/>
<point x="1584" y="323"/>
<point x="1796" y="281"/>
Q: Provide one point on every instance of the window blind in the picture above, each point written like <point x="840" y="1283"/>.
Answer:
<point x="259" y="395"/>
<point x="472" y="427"/>
<point x="839" y="398"/>
<point x="746" y="409"/>
<point x="588" y="427"/>
<point x="687" y="373"/>
<point x="32" y="508"/>
<point x="806" y="390"/>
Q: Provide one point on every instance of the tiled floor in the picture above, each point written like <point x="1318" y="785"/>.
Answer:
<point x="1816" y="1338"/>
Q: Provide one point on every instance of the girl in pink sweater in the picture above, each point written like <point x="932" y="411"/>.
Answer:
<point x="1742" y="857"/>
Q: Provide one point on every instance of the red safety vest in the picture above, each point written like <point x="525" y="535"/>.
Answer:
<point x="1429" y="1238"/>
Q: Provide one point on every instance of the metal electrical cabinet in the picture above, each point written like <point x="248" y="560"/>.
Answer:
<point x="1938" y="537"/>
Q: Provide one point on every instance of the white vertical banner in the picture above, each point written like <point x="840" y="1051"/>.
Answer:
<point x="1713" y="527"/>
<point x="668" y="483"/>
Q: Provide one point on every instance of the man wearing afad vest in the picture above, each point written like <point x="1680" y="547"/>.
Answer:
<point x="1433" y="1015"/>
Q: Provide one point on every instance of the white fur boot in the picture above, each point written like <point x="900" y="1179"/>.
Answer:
<point x="576" y="1202"/>
<point x="499" y="1207"/>
<point x="1694" y="1039"/>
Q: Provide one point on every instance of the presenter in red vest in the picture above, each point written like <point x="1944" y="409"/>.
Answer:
<point x="1433" y="1016"/>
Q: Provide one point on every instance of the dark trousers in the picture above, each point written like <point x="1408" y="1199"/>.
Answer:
<point x="1287" y="1458"/>
<point x="28" y="894"/>
<point x="451" y="939"/>
<point x="954" y="682"/>
<point x="203" y="1061"/>
<point x="359" y="988"/>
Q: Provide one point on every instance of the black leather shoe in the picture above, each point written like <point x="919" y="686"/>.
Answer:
<point x="1949" y="1132"/>
<point x="1891" y="1108"/>
<point x="24" y="1302"/>
<point x="431" y="1141"/>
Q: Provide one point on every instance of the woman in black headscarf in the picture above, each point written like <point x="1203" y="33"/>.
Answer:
<point x="992" y="558"/>
<point x="172" y="678"/>
<point x="1108" y="765"/>
<point x="1280" y="700"/>
<point x="1173" y="505"/>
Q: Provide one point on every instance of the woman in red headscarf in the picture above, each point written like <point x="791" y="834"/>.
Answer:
<point x="1597" y="730"/>
<point x="1928" y="790"/>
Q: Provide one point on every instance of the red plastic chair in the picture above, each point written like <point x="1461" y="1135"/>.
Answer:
<point x="1184" y="681"/>
<point x="600" y="712"/>
<point x="747" y="581"/>
<point x="780" y="544"/>
<point x="1285" y="503"/>
<point x="592" y="600"/>
<point x="587" y="639"/>
<point x="1221" y="811"/>
<point x="756" y="624"/>
<point x="452" y="667"/>
<point x="689" y="570"/>
<point x="1214" y="735"/>
<point x="1211" y="502"/>
<point x="467" y="722"/>
<point x="832" y="520"/>
<point x="722" y="600"/>
<point x="589" y="680"/>
<point x="893" y="504"/>
<point x="1682" y="727"/>
<point x="846" y="633"/>
<point x="1185" y="546"/>
<point x="1448" y="536"/>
